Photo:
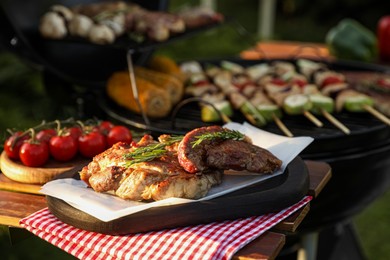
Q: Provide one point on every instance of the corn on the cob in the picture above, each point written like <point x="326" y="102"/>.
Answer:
<point x="164" y="81"/>
<point x="154" y="101"/>
<point x="166" y="65"/>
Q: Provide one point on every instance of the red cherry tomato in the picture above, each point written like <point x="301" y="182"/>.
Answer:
<point x="75" y="132"/>
<point x="331" y="80"/>
<point x="45" y="135"/>
<point x="119" y="134"/>
<point x="63" y="147"/>
<point x="12" y="146"/>
<point x="92" y="144"/>
<point x="105" y="127"/>
<point x="34" y="154"/>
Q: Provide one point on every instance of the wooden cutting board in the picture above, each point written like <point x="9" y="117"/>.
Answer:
<point x="17" y="177"/>
<point x="271" y="195"/>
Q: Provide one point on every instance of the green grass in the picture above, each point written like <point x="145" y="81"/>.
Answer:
<point x="373" y="228"/>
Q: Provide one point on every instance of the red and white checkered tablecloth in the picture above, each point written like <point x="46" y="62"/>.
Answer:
<point x="219" y="240"/>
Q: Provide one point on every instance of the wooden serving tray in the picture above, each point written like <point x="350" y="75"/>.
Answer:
<point x="272" y="195"/>
<point x="19" y="173"/>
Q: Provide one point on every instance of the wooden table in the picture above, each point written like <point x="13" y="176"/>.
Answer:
<point x="17" y="202"/>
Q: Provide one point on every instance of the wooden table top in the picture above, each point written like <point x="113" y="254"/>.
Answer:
<point x="17" y="202"/>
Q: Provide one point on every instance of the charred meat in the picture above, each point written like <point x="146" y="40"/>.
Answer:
<point x="184" y="167"/>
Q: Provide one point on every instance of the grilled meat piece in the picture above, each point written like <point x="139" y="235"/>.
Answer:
<point x="106" y="169"/>
<point x="181" y="170"/>
<point x="224" y="154"/>
<point x="193" y="159"/>
<point x="240" y="155"/>
<point x="164" y="178"/>
<point x="158" y="179"/>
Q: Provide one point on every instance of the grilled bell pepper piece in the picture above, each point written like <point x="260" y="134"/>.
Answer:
<point x="296" y="104"/>
<point x="352" y="41"/>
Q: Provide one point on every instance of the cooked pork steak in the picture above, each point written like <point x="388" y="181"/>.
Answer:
<point x="158" y="179"/>
<point x="180" y="169"/>
<point x="193" y="159"/>
<point x="239" y="155"/>
<point x="219" y="153"/>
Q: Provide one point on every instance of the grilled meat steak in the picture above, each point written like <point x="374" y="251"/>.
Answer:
<point x="193" y="159"/>
<point x="182" y="169"/>
<point x="224" y="154"/>
<point x="158" y="179"/>
<point x="239" y="155"/>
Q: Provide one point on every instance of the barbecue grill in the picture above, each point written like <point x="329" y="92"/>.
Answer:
<point x="360" y="161"/>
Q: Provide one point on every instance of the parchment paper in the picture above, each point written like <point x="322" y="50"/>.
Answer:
<point x="107" y="207"/>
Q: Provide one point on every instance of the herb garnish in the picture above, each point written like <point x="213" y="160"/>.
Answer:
<point x="153" y="151"/>
<point x="224" y="135"/>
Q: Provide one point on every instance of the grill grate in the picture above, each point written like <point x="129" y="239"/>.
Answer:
<point x="366" y="130"/>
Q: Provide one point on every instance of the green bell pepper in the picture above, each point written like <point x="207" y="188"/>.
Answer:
<point x="351" y="40"/>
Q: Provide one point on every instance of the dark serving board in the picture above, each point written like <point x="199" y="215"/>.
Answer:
<point x="269" y="196"/>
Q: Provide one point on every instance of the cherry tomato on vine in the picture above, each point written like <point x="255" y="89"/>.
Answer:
<point x="63" y="147"/>
<point x="91" y="144"/>
<point x="105" y="127"/>
<point x="12" y="146"/>
<point x="45" y="135"/>
<point x="119" y="134"/>
<point x="75" y="132"/>
<point x="34" y="153"/>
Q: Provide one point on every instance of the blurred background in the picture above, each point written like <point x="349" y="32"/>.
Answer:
<point x="25" y="100"/>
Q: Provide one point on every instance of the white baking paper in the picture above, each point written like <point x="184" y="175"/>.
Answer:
<point x="107" y="207"/>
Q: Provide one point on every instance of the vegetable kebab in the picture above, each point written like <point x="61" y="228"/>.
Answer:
<point x="323" y="105"/>
<point x="335" y="86"/>
<point x="214" y="105"/>
<point x="285" y="91"/>
<point x="303" y="97"/>
<point x="267" y="108"/>
<point x="247" y="95"/>
<point x="224" y="81"/>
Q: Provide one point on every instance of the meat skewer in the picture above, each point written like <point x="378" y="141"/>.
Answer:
<point x="354" y="101"/>
<point x="321" y="104"/>
<point x="221" y="85"/>
<point x="223" y="80"/>
<point x="268" y="109"/>
<point x="334" y="84"/>
<point x="291" y="100"/>
<point x="201" y="87"/>
<point x="244" y="79"/>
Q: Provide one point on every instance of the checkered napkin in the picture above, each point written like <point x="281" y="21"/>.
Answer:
<point x="218" y="240"/>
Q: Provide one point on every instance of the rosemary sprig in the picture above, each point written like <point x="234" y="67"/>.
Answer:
<point x="151" y="151"/>
<point x="225" y="134"/>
